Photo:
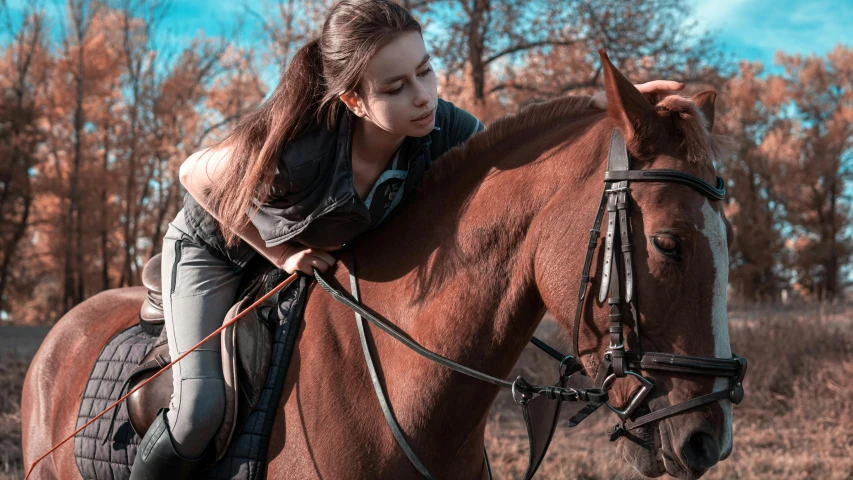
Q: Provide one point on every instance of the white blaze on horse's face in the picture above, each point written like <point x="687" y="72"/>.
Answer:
<point x="715" y="230"/>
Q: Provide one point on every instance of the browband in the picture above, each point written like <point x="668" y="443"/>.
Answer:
<point x="669" y="176"/>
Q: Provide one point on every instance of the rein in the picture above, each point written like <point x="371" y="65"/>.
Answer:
<point x="522" y="391"/>
<point x="569" y="394"/>
<point x="618" y="362"/>
<point x="540" y="404"/>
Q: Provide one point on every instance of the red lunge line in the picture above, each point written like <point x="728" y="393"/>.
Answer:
<point x="225" y="325"/>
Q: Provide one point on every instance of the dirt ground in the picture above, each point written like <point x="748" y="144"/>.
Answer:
<point x="796" y="421"/>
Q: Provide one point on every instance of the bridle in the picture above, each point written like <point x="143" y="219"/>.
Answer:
<point x="541" y="404"/>
<point x="618" y="362"/>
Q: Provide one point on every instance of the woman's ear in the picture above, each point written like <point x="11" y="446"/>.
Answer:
<point x="353" y="102"/>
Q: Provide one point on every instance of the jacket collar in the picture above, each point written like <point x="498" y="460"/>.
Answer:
<point x="332" y="147"/>
<point x="346" y="123"/>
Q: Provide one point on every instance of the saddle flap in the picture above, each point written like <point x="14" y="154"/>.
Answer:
<point x="231" y="377"/>
<point x="143" y="405"/>
<point x="246" y="353"/>
<point x="254" y="349"/>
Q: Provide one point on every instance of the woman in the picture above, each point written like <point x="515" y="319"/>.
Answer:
<point x="343" y="139"/>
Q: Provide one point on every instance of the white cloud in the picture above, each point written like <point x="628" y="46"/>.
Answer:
<point x="712" y="15"/>
<point x="762" y="27"/>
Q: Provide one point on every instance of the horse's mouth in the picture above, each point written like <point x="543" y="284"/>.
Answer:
<point x="672" y="463"/>
<point x="650" y="453"/>
<point x="676" y="469"/>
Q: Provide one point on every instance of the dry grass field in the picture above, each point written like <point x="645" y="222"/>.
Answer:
<point x="796" y="421"/>
<point x="13" y="367"/>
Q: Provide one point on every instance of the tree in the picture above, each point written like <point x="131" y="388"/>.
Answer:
<point x="23" y="70"/>
<point x="750" y="107"/>
<point x="818" y="202"/>
<point x="294" y="23"/>
<point x="91" y="137"/>
<point x="513" y="52"/>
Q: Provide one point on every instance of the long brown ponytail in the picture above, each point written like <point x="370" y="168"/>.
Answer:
<point x="306" y="96"/>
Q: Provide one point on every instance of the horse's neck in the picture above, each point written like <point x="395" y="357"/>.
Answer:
<point x="456" y="272"/>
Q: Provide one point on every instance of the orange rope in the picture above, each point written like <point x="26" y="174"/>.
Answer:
<point x="225" y="325"/>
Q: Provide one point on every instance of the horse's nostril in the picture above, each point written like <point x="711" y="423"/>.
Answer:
<point x="700" y="452"/>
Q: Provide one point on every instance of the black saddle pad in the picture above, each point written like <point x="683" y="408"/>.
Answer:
<point x="246" y="456"/>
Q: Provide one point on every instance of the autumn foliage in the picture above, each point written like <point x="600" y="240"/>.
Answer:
<point x="97" y="112"/>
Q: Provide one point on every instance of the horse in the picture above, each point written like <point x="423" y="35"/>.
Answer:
<point x="468" y="268"/>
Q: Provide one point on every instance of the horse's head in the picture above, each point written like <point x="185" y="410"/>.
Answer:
<point x="680" y="240"/>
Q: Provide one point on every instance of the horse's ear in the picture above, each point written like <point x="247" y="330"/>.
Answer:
<point x="626" y="106"/>
<point x="705" y="102"/>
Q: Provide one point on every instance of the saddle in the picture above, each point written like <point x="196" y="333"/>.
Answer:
<point x="246" y="351"/>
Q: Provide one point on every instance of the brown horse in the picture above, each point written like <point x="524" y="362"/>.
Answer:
<point x="495" y="235"/>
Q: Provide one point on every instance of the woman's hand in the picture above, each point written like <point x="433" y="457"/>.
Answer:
<point x="647" y="89"/>
<point x="305" y="259"/>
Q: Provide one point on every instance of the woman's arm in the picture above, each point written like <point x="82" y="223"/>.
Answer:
<point x="197" y="175"/>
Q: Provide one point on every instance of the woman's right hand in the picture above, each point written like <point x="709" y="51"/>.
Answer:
<point x="305" y="259"/>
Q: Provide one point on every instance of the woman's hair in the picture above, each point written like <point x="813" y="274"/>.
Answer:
<point x="306" y="96"/>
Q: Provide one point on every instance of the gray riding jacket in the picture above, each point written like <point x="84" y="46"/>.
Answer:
<point x="313" y="200"/>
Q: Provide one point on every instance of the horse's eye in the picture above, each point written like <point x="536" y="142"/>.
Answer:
<point x="667" y="245"/>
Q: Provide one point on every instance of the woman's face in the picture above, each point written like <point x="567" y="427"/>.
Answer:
<point x="398" y="87"/>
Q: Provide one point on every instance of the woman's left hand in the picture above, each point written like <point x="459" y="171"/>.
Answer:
<point x="647" y="89"/>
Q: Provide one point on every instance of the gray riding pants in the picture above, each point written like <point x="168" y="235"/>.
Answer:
<point x="198" y="290"/>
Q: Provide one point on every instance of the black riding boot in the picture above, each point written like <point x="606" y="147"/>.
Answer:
<point x="156" y="457"/>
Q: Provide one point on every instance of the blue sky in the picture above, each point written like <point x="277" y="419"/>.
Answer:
<point x="750" y="29"/>
<point x="756" y="29"/>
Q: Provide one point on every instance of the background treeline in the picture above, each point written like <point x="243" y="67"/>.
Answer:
<point x="99" y="105"/>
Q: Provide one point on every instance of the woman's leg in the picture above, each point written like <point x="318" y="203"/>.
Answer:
<point x="198" y="290"/>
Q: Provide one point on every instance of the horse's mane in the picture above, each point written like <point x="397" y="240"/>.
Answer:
<point x="541" y="127"/>
<point x="540" y="114"/>
<point x="698" y="143"/>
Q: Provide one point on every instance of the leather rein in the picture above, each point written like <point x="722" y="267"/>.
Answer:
<point x="541" y="404"/>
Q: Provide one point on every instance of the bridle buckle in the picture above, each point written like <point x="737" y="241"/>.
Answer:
<point x="617" y="360"/>
<point x="736" y="390"/>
